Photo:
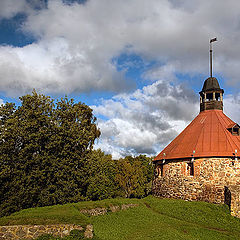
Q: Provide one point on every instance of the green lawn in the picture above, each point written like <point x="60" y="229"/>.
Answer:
<point x="153" y="219"/>
<point x="67" y="213"/>
<point x="169" y="219"/>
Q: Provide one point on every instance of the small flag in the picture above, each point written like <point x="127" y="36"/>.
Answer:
<point x="213" y="40"/>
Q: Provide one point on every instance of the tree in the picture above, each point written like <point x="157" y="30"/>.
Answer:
<point x="100" y="180"/>
<point x="134" y="175"/>
<point x="43" y="147"/>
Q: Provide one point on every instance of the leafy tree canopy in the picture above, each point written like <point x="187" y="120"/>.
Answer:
<point x="101" y="176"/>
<point x="134" y="176"/>
<point x="43" y="145"/>
<point x="46" y="157"/>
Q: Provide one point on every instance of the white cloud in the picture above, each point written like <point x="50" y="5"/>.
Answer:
<point x="77" y="42"/>
<point x="51" y="67"/>
<point x="231" y="105"/>
<point x="1" y="101"/>
<point x="146" y="120"/>
<point x="9" y="8"/>
<point x="142" y="122"/>
<point x="76" y="45"/>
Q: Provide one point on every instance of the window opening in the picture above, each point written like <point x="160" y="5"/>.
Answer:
<point x="234" y="129"/>
<point x="190" y="169"/>
<point x="217" y="96"/>
<point x="209" y="96"/>
<point x="159" y="171"/>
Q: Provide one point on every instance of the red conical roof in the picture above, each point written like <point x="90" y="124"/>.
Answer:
<point x="208" y="135"/>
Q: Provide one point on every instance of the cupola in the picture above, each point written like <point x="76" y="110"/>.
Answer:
<point x="211" y="96"/>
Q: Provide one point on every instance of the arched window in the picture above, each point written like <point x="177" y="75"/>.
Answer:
<point x="159" y="170"/>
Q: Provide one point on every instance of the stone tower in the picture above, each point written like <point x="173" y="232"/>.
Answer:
<point x="203" y="161"/>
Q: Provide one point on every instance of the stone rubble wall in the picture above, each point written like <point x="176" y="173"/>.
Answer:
<point x="112" y="208"/>
<point x="211" y="176"/>
<point x="34" y="231"/>
<point x="18" y="232"/>
<point x="89" y="231"/>
<point x="94" y="212"/>
<point x="234" y="192"/>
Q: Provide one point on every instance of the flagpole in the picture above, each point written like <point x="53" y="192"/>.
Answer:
<point x="211" y="40"/>
<point x="210" y="59"/>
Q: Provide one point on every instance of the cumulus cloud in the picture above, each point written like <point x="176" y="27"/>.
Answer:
<point x="143" y="121"/>
<point x="76" y="43"/>
<point x="1" y="101"/>
<point x="9" y="9"/>
<point x="52" y="67"/>
<point x="231" y="107"/>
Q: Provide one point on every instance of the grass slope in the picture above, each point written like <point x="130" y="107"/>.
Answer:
<point x="153" y="219"/>
<point x="169" y="219"/>
<point x="67" y="213"/>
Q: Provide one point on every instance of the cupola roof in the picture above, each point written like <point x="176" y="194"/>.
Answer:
<point x="211" y="83"/>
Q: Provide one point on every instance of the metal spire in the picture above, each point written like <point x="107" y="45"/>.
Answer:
<point x="212" y="40"/>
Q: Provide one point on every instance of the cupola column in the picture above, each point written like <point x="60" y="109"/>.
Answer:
<point x="214" y="97"/>
<point x="205" y="97"/>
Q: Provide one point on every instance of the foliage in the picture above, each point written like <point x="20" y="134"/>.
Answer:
<point x="43" y="146"/>
<point x="47" y="157"/>
<point x="134" y="175"/>
<point x="100" y="181"/>
<point x="107" y="178"/>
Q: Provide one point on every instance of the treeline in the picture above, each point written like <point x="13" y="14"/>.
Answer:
<point x="46" y="157"/>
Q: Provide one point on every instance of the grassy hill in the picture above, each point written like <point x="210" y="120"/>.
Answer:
<point x="153" y="219"/>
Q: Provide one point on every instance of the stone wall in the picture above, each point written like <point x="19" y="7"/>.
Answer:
<point x="18" y="232"/>
<point x="112" y="208"/>
<point x="207" y="183"/>
<point x="233" y="197"/>
<point x="33" y="231"/>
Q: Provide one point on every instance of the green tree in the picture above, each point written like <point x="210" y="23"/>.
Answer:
<point x="134" y="175"/>
<point x="43" y="147"/>
<point x="100" y="181"/>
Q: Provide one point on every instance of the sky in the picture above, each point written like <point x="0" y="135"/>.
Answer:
<point x="139" y="64"/>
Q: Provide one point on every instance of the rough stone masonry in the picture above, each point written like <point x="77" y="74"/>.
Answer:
<point x="215" y="180"/>
<point x="202" y="162"/>
<point x="34" y="231"/>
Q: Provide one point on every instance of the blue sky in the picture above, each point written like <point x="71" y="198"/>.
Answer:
<point x="139" y="65"/>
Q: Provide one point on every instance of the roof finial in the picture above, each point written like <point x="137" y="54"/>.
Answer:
<point x="212" y="40"/>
